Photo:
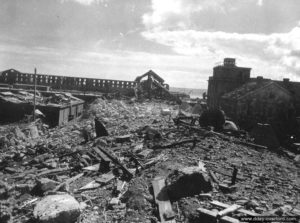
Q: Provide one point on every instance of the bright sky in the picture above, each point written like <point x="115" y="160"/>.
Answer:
<point x="181" y="40"/>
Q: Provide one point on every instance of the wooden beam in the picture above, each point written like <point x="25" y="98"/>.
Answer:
<point x="255" y="146"/>
<point x="231" y="209"/>
<point x="54" y="171"/>
<point x="101" y="154"/>
<point x="161" y="197"/>
<point x="213" y="176"/>
<point x="116" y="161"/>
<point x="210" y="216"/>
<point x="242" y="211"/>
<point x="179" y="143"/>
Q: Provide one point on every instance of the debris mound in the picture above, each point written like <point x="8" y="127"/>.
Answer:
<point x="188" y="182"/>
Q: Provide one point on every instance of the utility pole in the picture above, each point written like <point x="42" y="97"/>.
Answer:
<point x="34" y="97"/>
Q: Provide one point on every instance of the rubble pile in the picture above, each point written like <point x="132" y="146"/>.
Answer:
<point x="147" y="169"/>
<point x="21" y="96"/>
<point x="62" y="98"/>
<point x="27" y="97"/>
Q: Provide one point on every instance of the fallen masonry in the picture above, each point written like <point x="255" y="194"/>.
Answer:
<point x="152" y="166"/>
<point x="57" y="208"/>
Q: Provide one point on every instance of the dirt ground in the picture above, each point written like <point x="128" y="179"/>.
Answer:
<point x="266" y="180"/>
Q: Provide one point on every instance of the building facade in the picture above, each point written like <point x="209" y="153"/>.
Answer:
<point x="226" y="78"/>
<point x="260" y="102"/>
<point x="248" y="101"/>
<point x="13" y="77"/>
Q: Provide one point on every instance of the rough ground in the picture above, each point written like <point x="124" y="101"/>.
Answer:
<point x="266" y="180"/>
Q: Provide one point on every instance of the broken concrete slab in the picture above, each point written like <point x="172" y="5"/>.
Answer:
<point x="187" y="182"/>
<point x="57" y="208"/>
<point x="44" y="184"/>
<point x="114" y="201"/>
<point x="144" y="153"/>
<point x="91" y="185"/>
<point x="34" y="133"/>
<point x="105" y="178"/>
<point x="19" y="134"/>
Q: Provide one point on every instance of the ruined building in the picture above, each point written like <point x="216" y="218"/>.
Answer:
<point x="153" y="84"/>
<point x="226" y="78"/>
<point x="17" y="79"/>
<point x="17" y="93"/>
<point x="249" y="101"/>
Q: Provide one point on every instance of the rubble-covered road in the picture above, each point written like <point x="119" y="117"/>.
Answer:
<point x="52" y="175"/>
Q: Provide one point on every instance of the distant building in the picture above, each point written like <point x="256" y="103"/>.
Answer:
<point x="226" y="78"/>
<point x="248" y="101"/>
<point x="17" y="79"/>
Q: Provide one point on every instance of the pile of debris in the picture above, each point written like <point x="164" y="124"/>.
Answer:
<point x="143" y="168"/>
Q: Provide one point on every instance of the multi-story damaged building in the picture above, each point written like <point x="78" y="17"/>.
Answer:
<point x="248" y="100"/>
<point x="226" y="78"/>
<point x="153" y="84"/>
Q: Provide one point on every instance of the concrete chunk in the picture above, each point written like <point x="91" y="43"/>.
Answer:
<point x="44" y="184"/>
<point x="57" y="209"/>
<point x="33" y="131"/>
<point x="187" y="182"/>
<point x="297" y="160"/>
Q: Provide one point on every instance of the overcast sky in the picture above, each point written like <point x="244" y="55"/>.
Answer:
<point x="181" y="40"/>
